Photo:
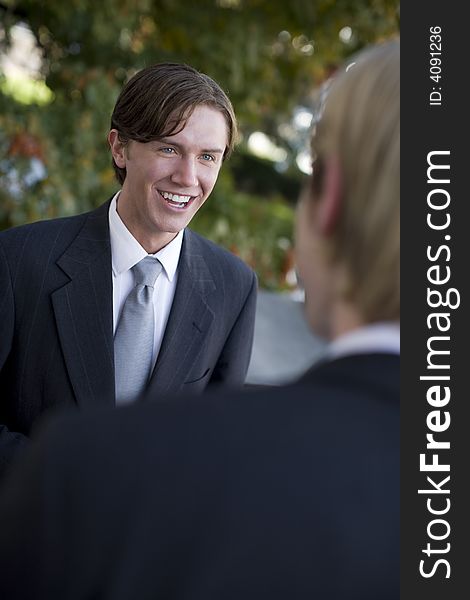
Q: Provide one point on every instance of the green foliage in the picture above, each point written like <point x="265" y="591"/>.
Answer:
<point x="267" y="55"/>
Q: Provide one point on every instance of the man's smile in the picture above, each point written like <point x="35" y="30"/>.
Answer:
<point x="176" y="200"/>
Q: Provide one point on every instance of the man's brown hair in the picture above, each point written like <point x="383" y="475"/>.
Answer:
<point x="157" y="101"/>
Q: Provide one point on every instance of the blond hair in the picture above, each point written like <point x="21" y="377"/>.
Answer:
<point x="360" y="128"/>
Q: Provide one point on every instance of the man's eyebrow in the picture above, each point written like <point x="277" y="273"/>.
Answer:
<point x="170" y="142"/>
<point x="214" y="151"/>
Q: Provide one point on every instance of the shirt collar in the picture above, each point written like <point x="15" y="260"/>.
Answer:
<point x="127" y="252"/>
<point x="381" y="337"/>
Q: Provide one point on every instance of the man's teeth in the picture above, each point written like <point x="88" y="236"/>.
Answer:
<point x="177" y="199"/>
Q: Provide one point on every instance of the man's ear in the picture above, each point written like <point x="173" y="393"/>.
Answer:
<point x="118" y="149"/>
<point x="329" y="205"/>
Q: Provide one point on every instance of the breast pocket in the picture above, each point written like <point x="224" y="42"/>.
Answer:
<point x="201" y="380"/>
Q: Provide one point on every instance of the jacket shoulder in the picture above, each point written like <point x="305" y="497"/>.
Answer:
<point x="45" y="233"/>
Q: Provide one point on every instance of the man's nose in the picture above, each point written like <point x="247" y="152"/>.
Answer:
<point x="185" y="173"/>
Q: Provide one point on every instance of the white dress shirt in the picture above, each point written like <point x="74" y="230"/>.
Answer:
<point x="127" y="252"/>
<point x="378" y="337"/>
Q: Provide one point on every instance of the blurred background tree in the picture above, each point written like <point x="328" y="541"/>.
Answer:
<point x="269" y="56"/>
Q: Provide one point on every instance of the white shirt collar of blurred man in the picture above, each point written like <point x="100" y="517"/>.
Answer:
<point x="383" y="337"/>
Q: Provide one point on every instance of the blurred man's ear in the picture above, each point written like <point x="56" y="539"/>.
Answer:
<point x="330" y="200"/>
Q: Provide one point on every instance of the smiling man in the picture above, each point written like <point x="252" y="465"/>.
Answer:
<point x="98" y="308"/>
<point x="169" y="179"/>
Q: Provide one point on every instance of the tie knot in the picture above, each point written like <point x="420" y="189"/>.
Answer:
<point x="147" y="271"/>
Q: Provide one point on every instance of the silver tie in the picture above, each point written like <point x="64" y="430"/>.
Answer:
<point x="133" y="340"/>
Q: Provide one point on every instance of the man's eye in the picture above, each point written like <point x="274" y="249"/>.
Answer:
<point x="207" y="157"/>
<point x="167" y="150"/>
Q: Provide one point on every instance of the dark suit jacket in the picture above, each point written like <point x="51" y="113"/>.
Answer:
<point x="56" y="321"/>
<point x="291" y="493"/>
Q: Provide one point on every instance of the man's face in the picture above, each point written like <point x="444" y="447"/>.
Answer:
<point x="168" y="180"/>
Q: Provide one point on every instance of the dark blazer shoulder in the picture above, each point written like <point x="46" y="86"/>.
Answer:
<point x="40" y="236"/>
<point x="375" y="369"/>
<point x="364" y="383"/>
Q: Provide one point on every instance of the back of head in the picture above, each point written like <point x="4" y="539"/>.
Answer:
<point x="158" y="100"/>
<point x="360" y="128"/>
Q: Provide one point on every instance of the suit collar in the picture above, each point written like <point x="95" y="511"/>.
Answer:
<point x="193" y="266"/>
<point x="91" y="243"/>
<point x="190" y="318"/>
<point x="84" y="311"/>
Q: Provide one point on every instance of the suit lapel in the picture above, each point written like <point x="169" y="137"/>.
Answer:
<point x="84" y="312"/>
<point x="189" y="321"/>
